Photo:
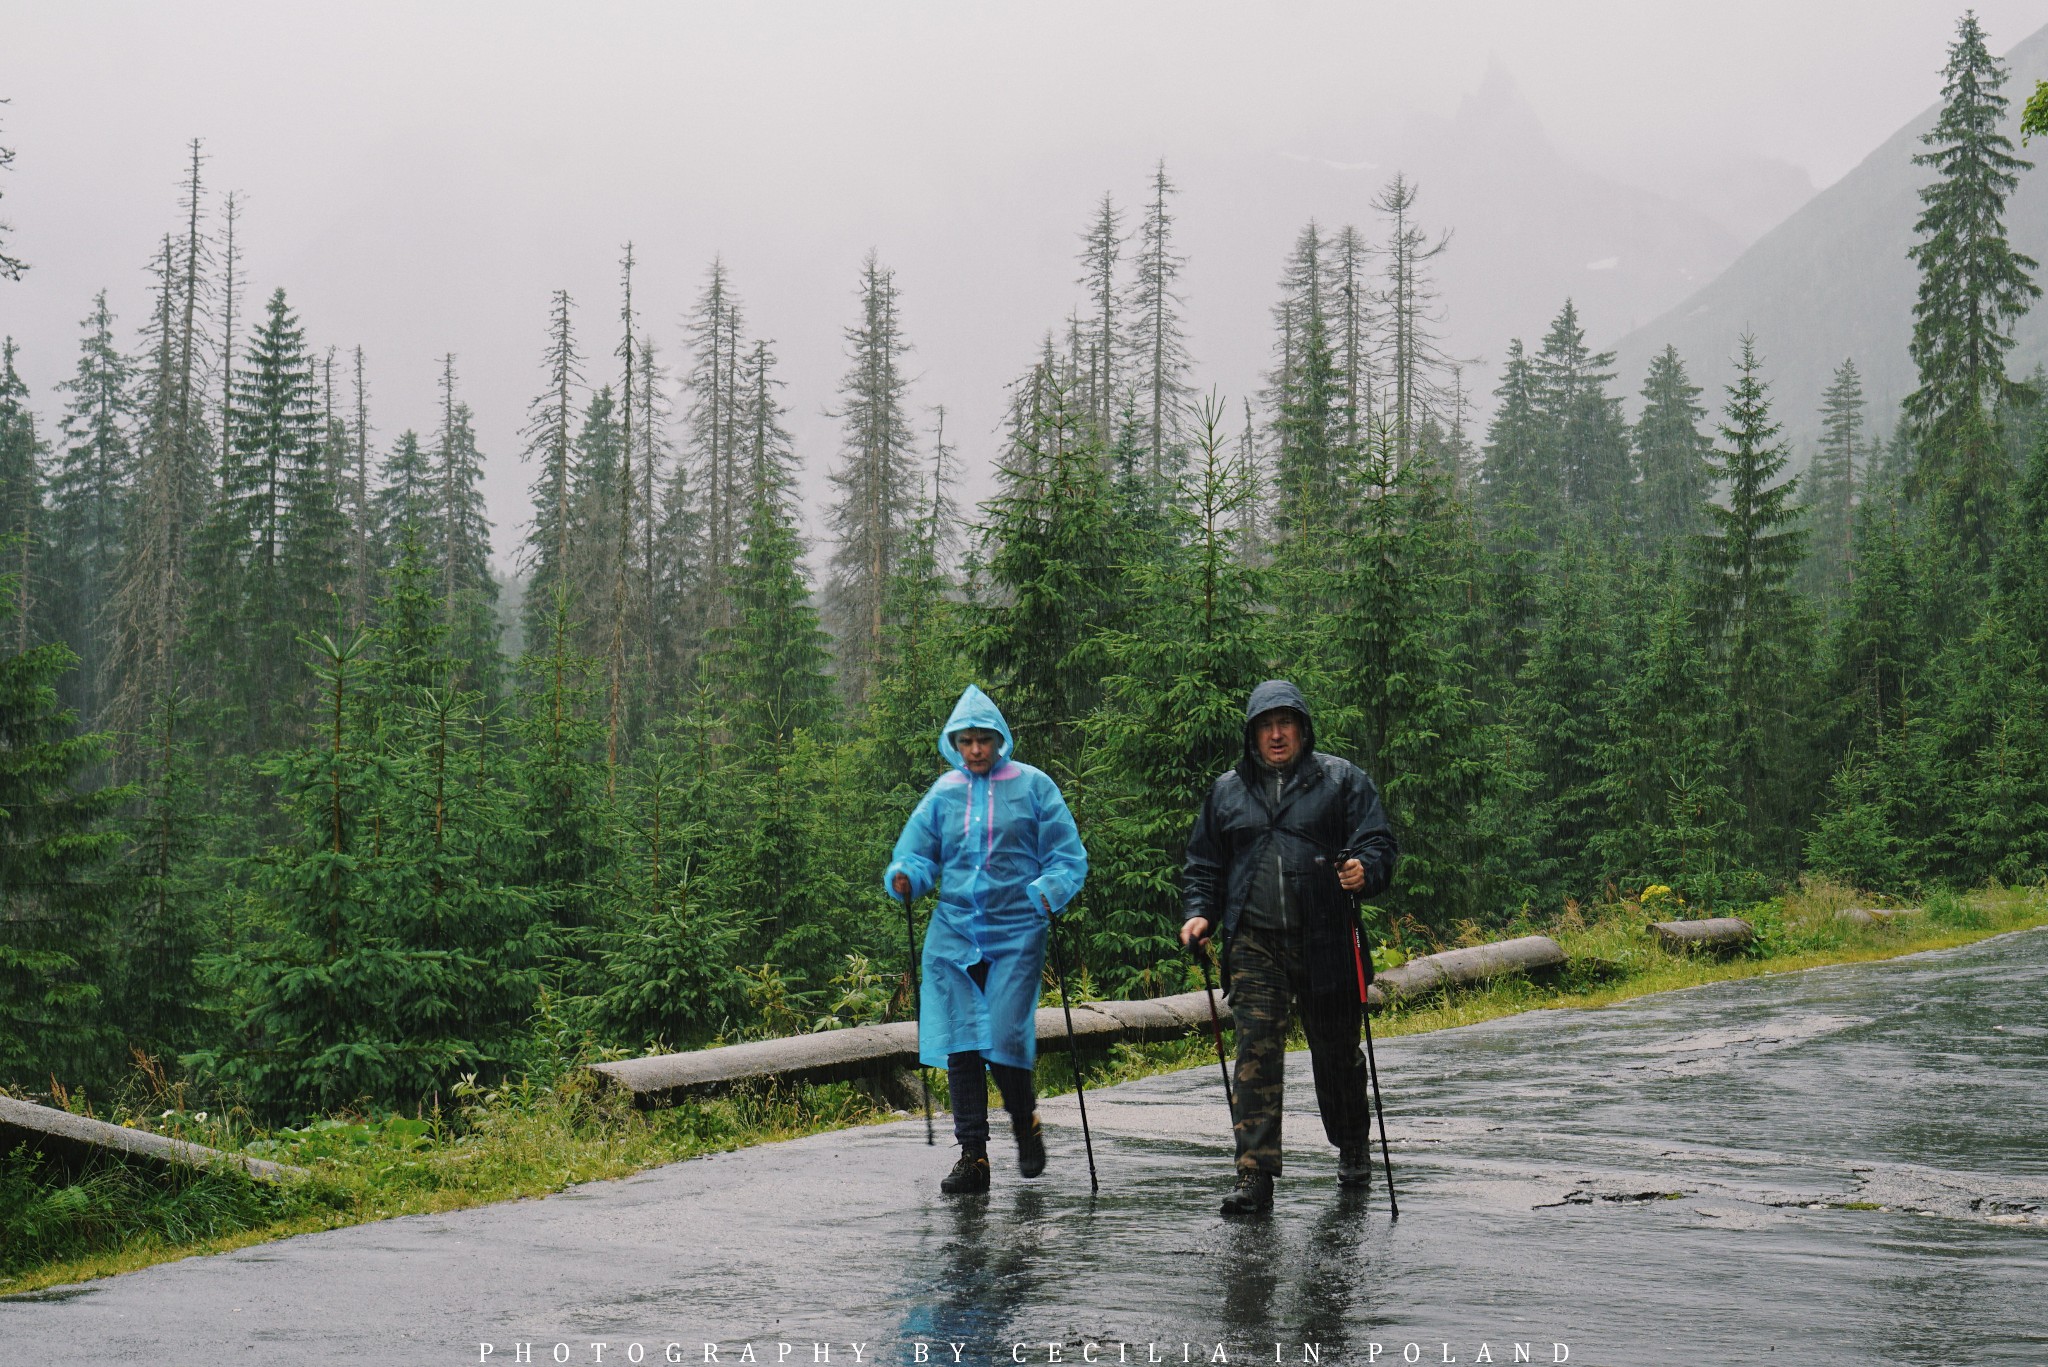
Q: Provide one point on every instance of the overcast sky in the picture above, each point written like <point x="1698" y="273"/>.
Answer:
<point x="419" y="177"/>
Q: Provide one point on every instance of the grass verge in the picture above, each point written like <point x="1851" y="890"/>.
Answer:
<point x="534" y="1138"/>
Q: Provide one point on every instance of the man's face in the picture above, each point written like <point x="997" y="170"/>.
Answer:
<point x="1277" y="736"/>
<point x="977" y="748"/>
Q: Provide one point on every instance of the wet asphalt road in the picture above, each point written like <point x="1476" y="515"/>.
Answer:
<point x="1847" y="1166"/>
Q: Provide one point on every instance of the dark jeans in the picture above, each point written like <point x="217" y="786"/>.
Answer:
<point x="970" y="1091"/>
<point x="970" y="1095"/>
<point x="1268" y="977"/>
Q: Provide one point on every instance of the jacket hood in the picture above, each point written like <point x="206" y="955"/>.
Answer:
<point x="1267" y="696"/>
<point x="978" y="710"/>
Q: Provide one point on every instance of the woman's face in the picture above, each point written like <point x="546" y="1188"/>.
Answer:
<point x="977" y="748"/>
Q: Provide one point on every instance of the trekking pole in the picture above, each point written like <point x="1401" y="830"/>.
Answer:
<point x="1372" y="1065"/>
<point x="1372" y="1069"/>
<point x="1059" y="964"/>
<point x="924" y="1080"/>
<point x="1201" y="953"/>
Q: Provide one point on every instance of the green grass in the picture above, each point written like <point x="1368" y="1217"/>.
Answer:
<point x="532" y="1138"/>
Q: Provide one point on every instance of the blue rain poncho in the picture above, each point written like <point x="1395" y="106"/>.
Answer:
<point x="1002" y="849"/>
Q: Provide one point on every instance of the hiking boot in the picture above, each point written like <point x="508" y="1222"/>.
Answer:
<point x="1354" y="1166"/>
<point x="1031" y="1148"/>
<point x="1253" y="1196"/>
<point x="969" y="1176"/>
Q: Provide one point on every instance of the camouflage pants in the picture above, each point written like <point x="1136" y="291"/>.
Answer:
<point x="1268" y="976"/>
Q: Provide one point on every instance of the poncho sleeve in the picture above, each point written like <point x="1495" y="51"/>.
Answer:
<point x="917" y="851"/>
<point x="1062" y="860"/>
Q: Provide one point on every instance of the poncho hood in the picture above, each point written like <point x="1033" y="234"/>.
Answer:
<point x="975" y="710"/>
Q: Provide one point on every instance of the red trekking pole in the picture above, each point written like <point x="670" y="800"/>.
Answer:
<point x="1362" y="960"/>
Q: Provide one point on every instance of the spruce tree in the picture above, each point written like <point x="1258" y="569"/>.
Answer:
<point x="459" y="543"/>
<point x="1562" y="708"/>
<point x="1350" y="310"/>
<point x="11" y="267"/>
<point x="1747" y="559"/>
<point x="660" y="645"/>
<point x="355" y="493"/>
<point x="667" y="954"/>
<point x="924" y="664"/>
<point x="875" y="481"/>
<point x="623" y="639"/>
<point x="1673" y="457"/>
<point x="773" y="857"/>
<point x="1157" y="340"/>
<point x="1415" y="359"/>
<point x="550" y="434"/>
<point x="560" y="733"/>
<point x="1583" y="443"/>
<point x="1310" y="423"/>
<point x="1663" y="776"/>
<point x="330" y="1000"/>
<point x="1511" y="482"/>
<point x="1973" y="288"/>
<point x="594" y="498"/>
<point x="711" y="412"/>
<point x="771" y="662"/>
<point x="405" y="497"/>
<point x="682" y="575"/>
<point x="1171" y="716"/>
<point x="89" y="486"/>
<point x="270" y="556"/>
<point x="1831" y="487"/>
<point x="1102" y="248"/>
<point x="173" y="490"/>
<point x="164" y="1004"/>
<point x="1398" y="666"/>
<point x="21" y="500"/>
<point x="58" y="893"/>
<point x="1054" y="566"/>
<point x="1517" y="509"/>
<point x="2023" y="559"/>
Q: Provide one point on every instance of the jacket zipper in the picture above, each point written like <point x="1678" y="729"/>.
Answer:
<point x="1279" y="865"/>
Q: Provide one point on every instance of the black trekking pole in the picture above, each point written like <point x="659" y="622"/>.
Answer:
<point x="1372" y="1065"/>
<point x="1059" y="964"/>
<point x="910" y="975"/>
<point x="1200" y="950"/>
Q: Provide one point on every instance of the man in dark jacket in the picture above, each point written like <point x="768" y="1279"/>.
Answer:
<point x="1266" y="867"/>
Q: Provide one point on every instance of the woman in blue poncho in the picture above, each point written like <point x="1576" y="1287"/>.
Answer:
<point x="997" y="839"/>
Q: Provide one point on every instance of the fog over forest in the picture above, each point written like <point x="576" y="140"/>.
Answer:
<point x="1627" y="428"/>
<point x="421" y="179"/>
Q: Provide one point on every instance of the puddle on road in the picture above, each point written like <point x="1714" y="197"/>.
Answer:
<point x="1675" y="1178"/>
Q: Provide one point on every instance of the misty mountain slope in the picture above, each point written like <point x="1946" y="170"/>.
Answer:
<point x="1531" y="226"/>
<point x="1833" y="280"/>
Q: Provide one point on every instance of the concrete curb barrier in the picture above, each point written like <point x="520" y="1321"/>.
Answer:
<point x="880" y="1053"/>
<point x="828" y="1056"/>
<point x="1463" y="968"/>
<point x="1718" y="932"/>
<point x="875" y="1051"/>
<point x="72" y="1142"/>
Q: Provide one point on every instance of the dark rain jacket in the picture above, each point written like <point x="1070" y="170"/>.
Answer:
<point x="1328" y="805"/>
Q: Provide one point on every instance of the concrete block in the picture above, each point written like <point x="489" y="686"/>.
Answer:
<point x="1719" y="933"/>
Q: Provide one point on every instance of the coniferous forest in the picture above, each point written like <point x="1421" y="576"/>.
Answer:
<point x="301" y="798"/>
